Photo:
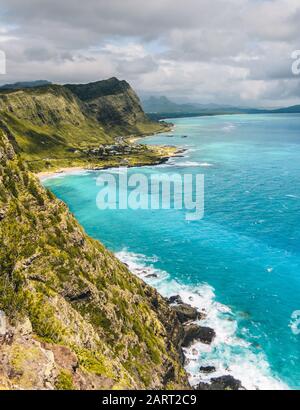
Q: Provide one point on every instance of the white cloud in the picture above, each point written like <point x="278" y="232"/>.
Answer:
<point x="230" y="50"/>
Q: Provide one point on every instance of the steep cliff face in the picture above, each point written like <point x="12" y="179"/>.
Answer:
<point x="73" y="316"/>
<point x="51" y="105"/>
<point x="50" y="124"/>
<point x="58" y="126"/>
<point x="115" y="105"/>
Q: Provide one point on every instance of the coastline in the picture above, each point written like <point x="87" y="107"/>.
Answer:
<point x="47" y="174"/>
<point x="169" y="152"/>
<point x="209" y="334"/>
<point x="202" y="299"/>
<point x="164" y="153"/>
<point x="192" y="318"/>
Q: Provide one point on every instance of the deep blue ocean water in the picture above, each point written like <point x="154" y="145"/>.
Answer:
<point x="241" y="262"/>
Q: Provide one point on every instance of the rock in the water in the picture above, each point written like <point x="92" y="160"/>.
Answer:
<point x="175" y="299"/>
<point x="152" y="275"/>
<point x="193" y="332"/>
<point x="203" y="386"/>
<point x="186" y="313"/>
<point x="221" y="383"/>
<point x="226" y="383"/>
<point x="207" y="369"/>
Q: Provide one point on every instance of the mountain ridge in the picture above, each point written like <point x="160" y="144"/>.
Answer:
<point x="25" y="84"/>
<point x="115" y="105"/>
<point x="156" y="106"/>
<point x="54" y="128"/>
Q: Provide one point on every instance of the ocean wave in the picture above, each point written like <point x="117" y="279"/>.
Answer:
<point x="168" y="164"/>
<point x="292" y="196"/>
<point x="114" y="170"/>
<point x="64" y="174"/>
<point x="229" y="354"/>
<point x="229" y="127"/>
<point x="194" y="164"/>
<point x="206" y="164"/>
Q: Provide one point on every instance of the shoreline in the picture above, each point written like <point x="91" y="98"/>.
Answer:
<point x="191" y="326"/>
<point x="131" y="140"/>
<point x="47" y="174"/>
<point x="70" y="170"/>
<point x="193" y="355"/>
<point x="209" y="337"/>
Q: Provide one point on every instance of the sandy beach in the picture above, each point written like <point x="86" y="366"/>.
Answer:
<point x="68" y="170"/>
<point x="167" y="152"/>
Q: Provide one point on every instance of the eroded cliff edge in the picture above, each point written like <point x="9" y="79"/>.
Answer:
<point x="75" y="317"/>
<point x="59" y="126"/>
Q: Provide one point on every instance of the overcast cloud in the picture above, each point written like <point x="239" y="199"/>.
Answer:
<point x="227" y="51"/>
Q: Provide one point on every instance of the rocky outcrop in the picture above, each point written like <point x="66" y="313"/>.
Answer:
<point x="175" y="299"/>
<point x="194" y="332"/>
<point x="186" y="313"/>
<point x="207" y="369"/>
<point x="221" y="383"/>
<point x="187" y="316"/>
<point x="28" y="363"/>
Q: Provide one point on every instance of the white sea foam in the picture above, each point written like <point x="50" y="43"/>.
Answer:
<point x="229" y="127"/>
<point x="229" y="354"/>
<point x="206" y="164"/>
<point x="168" y="164"/>
<point x="115" y="170"/>
<point x="64" y="174"/>
<point x="193" y="164"/>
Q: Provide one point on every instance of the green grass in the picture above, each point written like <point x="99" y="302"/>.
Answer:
<point x="53" y="129"/>
<point x="52" y="148"/>
<point x="46" y="261"/>
<point x="64" y="381"/>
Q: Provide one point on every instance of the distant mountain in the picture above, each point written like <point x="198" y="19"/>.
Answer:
<point x="25" y="84"/>
<point x="163" y="104"/>
<point x="162" y="107"/>
<point x="293" y="109"/>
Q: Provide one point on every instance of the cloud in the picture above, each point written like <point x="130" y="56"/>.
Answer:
<point x="235" y="51"/>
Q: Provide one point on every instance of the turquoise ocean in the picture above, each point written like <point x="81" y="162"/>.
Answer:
<point x="241" y="262"/>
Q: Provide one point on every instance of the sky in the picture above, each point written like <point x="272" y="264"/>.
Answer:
<point x="207" y="51"/>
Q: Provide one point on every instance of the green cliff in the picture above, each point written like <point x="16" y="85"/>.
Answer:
<point x="75" y="317"/>
<point x="115" y="105"/>
<point x="50" y="123"/>
<point x="59" y="126"/>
